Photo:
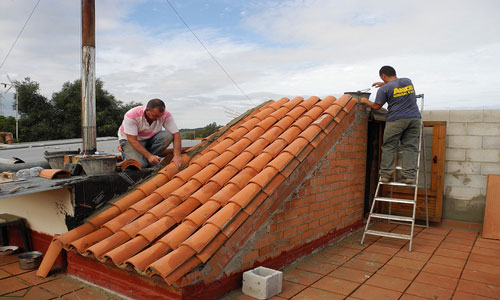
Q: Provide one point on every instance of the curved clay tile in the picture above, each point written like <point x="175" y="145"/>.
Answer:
<point x="165" y="206"/>
<point x="119" y="254"/>
<point x="129" y="199"/>
<point x="209" y="189"/>
<point x="225" y="193"/>
<point x="224" y="215"/>
<point x="147" y="203"/>
<point x="184" y="209"/>
<point x="153" y="231"/>
<point x="143" y="259"/>
<point x="90" y="239"/>
<point x="108" y="244"/>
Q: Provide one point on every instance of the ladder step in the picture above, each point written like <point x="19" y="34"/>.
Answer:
<point x="392" y="217"/>
<point x="389" y="234"/>
<point x="398" y="184"/>
<point x="394" y="200"/>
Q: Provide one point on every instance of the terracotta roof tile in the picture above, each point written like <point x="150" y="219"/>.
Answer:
<point x="204" y="212"/>
<point x="243" y="197"/>
<point x="224" y="216"/>
<point x="153" y="231"/>
<point x="199" y="240"/>
<point x="180" y="219"/>
<point x="207" y="191"/>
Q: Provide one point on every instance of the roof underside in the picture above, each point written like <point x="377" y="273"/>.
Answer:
<point x="176" y="222"/>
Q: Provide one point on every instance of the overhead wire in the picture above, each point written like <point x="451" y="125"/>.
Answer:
<point x="210" y="53"/>
<point x="19" y="34"/>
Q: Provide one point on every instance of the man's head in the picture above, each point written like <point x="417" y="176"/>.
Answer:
<point x="387" y="73"/>
<point x="154" y="109"/>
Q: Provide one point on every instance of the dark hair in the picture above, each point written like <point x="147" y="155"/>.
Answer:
<point x="156" y="103"/>
<point x="387" y="70"/>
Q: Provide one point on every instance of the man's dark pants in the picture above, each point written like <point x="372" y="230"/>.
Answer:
<point x="156" y="145"/>
<point x="407" y="131"/>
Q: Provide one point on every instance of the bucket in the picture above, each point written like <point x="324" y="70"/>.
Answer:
<point x="56" y="158"/>
<point x="98" y="164"/>
<point x="30" y="260"/>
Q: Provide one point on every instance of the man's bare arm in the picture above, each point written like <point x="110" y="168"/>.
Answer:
<point x="373" y="105"/>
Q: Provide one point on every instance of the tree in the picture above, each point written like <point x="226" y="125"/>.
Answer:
<point x="37" y="120"/>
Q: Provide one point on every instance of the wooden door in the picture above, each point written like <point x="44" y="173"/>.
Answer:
<point x="435" y="133"/>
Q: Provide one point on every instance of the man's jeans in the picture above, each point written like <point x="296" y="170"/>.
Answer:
<point x="407" y="131"/>
<point x="156" y="145"/>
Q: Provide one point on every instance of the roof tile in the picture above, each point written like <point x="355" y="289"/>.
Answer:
<point x="279" y="103"/>
<point x="225" y="193"/>
<point x="116" y="223"/>
<point x="147" y="187"/>
<point x="222" y="146"/>
<point x="204" y="175"/>
<point x="326" y="102"/>
<point x="254" y="134"/>
<point x="296" y="146"/>
<point x="243" y="177"/>
<point x="200" y="239"/>
<point x="273" y="185"/>
<point x="169" y="187"/>
<point x="128" y="200"/>
<point x="188" y="172"/>
<point x="290" y="167"/>
<point x="184" y="209"/>
<point x="108" y="244"/>
<point x="243" y="197"/>
<point x="256" y="147"/>
<point x="305" y="152"/>
<point x="240" y="161"/>
<point x="248" y="210"/>
<point x="260" y="161"/>
<point x="290" y="134"/>
<point x="285" y="122"/>
<point x="187" y="189"/>
<point x="163" y="207"/>
<point x="90" y="239"/>
<point x="224" y="175"/>
<point x="224" y="216"/>
<point x="272" y="134"/>
<point x="265" y="176"/>
<point x="179" y="234"/>
<point x="104" y="216"/>
<point x="206" y="191"/>
<point x="340" y="116"/>
<point x="280" y="113"/>
<point x="210" y="249"/>
<point x="144" y="258"/>
<point x="153" y="231"/>
<point x="169" y="170"/>
<point x="146" y="203"/>
<point x="275" y="148"/>
<point x="281" y="161"/>
<point x="204" y="159"/>
<point x="321" y="135"/>
<point x="237" y="134"/>
<point x="182" y="270"/>
<point x="159" y="180"/>
<point x="138" y="224"/>
<point x="292" y="103"/>
<point x="310" y="133"/>
<point x="350" y="105"/>
<point x="239" y="146"/>
<point x="201" y="215"/>
<point x="168" y="263"/>
<point x="222" y="160"/>
<point x="323" y="121"/>
<point x="307" y="104"/>
<point x="333" y="110"/>
<point x="250" y="124"/>
<point x="267" y="123"/>
<point x="127" y="250"/>
<point x="343" y="100"/>
<point x="314" y="112"/>
<point x="296" y="112"/>
<point x="264" y="113"/>
<point x="236" y="222"/>
<point x="303" y="122"/>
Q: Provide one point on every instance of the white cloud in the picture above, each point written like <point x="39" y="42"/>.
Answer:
<point x="448" y="48"/>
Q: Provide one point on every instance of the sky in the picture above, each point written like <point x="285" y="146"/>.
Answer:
<point x="270" y="49"/>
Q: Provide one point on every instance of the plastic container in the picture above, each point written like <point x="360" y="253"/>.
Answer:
<point x="28" y="173"/>
<point x="30" y="260"/>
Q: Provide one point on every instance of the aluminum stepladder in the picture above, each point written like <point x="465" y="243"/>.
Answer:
<point x="395" y="218"/>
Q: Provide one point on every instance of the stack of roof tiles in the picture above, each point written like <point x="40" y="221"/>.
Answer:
<point x="179" y="219"/>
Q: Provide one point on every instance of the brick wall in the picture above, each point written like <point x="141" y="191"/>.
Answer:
<point x="472" y="152"/>
<point x="329" y="199"/>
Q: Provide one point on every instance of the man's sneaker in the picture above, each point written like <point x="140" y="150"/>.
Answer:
<point x="408" y="180"/>
<point x="384" y="179"/>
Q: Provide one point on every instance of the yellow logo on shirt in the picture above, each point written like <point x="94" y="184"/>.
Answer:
<point x="398" y="92"/>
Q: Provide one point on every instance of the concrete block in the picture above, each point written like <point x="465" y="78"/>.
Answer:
<point x="491" y="115"/>
<point x="482" y="155"/>
<point x="471" y="210"/>
<point x="466" y="116"/>
<point x="490" y="168"/>
<point x="262" y="282"/>
<point x="436" y="115"/>
<point x="464" y="142"/>
<point x="455" y="154"/>
<point x="462" y="168"/>
<point x="456" y="129"/>
<point x="473" y="181"/>
<point x="483" y="129"/>
<point x="462" y="193"/>
<point x="491" y="142"/>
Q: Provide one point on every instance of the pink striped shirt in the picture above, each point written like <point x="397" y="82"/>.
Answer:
<point x="135" y="123"/>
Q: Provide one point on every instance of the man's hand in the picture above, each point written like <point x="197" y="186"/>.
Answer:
<point x="378" y="84"/>
<point x="154" y="159"/>
<point x="177" y="160"/>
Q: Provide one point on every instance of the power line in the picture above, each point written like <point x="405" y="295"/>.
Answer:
<point x="20" y="32"/>
<point x="209" y="53"/>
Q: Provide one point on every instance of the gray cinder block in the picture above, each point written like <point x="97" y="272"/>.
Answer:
<point x="262" y="282"/>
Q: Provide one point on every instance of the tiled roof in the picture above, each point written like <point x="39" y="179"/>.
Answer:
<point x="176" y="221"/>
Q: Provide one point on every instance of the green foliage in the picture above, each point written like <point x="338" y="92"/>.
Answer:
<point x="191" y="134"/>
<point x="60" y="118"/>
<point x="8" y="124"/>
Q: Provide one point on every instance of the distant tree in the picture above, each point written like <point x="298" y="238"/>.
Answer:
<point x="37" y="120"/>
<point x="109" y="111"/>
<point x="208" y="130"/>
<point x="7" y="124"/>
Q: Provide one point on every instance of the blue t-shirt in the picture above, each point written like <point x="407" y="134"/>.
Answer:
<point x="400" y="96"/>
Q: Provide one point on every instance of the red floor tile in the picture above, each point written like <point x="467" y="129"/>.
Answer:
<point x="485" y="259"/>
<point x="381" y="250"/>
<point x="420" y="256"/>
<point x="330" y="258"/>
<point x="31" y="278"/>
<point x="487" y="243"/>
<point x="301" y="276"/>
<point x="432" y="237"/>
<point x="316" y="266"/>
<point x="463" y="234"/>
<point x="363" y="265"/>
<point x="62" y="286"/>
<point x="368" y="292"/>
<point x="426" y="242"/>
<point x="317" y="294"/>
<point x="459" y="295"/>
<point x="390" y="242"/>
<point x="14" y="269"/>
<point x="336" y="285"/>
<point x="11" y="284"/>
<point x="32" y="293"/>
<point x="484" y="251"/>
<point x="375" y="257"/>
<point x="8" y="259"/>
<point x="477" y="288"/>
<point x="437" y="230"/>
<point x="4" y="274"/>
<point x="460" y="241"/>
<point x="437" y="280"/>
<point x="452" y="253"/>
<point x="477" y="276"/>
<point x="388" y="282"/>
<point x="420" y="248"/>
<point x="456" y="247"/>
<point x="290" y="289"/>
<point x="343" y="251"/>
<point x="351" y="274"/>
<point x="411" y="297"/>
<point x="406" y="263"/>
<point x="88" y="293"/>
<point x="429" y="291"/>
<point x="447" y="261"/>
<point x="482" y="267"/>
<point x="398" y="272"/>
<point x="442" y="270"/>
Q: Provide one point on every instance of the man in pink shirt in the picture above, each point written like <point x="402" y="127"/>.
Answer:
<point x="141" y="136"/>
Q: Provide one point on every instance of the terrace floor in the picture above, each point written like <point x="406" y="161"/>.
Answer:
<point x="444" y="264"/>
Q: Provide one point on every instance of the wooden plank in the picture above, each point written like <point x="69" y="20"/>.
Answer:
<point x="440" y="165"/>
<point x="491" y="223"/>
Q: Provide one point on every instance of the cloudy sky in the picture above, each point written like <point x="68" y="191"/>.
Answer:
<point x="271" y="49"/>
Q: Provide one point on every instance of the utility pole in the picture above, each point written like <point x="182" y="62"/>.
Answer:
<point x="11" y="84"/>
<point x="88" y="77"/>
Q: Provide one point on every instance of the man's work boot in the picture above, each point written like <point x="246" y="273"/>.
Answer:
<point x="408" y="180"/>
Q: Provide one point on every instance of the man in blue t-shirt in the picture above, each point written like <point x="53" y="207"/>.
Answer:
<point x="402" y="124"/>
